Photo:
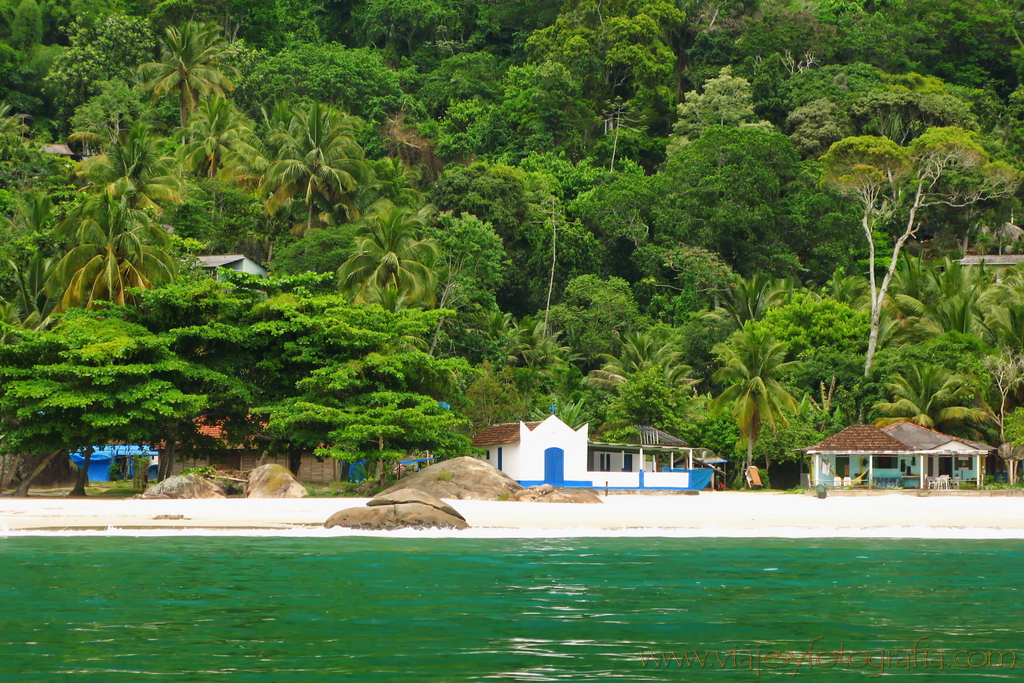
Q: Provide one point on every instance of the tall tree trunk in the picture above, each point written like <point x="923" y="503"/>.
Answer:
<point x="83" y="476"/>
<point x="11" y="462"/>
<point x="27" y="481"/>
<point x="878" y="298"/>
<point x="169" y="454"/>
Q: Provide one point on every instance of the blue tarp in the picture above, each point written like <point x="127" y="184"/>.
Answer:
<point x="99" y="463"/>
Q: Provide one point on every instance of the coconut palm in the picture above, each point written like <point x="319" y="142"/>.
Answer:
<point x="848" y="289"/>
<point x="317" y="159"/>
<point x="749" y="299"/>
<point x="391" y="254"/>
<point x="12" y="134"/>
<point x="193" y="62"/>
<point x="118" y="248"/>
<point x="929" y="396"/>
<point x="36" y="294"/>
<point x="217" y="135"/>
<point x="641" y="351"/>
<point x="532" y="346"/>
<point x="135" y="169"/>
<point x="752" y="363"/>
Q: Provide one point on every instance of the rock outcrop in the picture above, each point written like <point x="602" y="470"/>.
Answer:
<point x="184" y="486"/>
<point x="400" y="509"/>
<point x="407" y="496"/>
<point x="463" y="478"/>
<point x="401" y="516"/>
<point x="549" y="494"/>
<point x="273" y="481"/>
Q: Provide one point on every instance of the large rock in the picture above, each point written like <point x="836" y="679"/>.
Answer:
<point x="273" y="481"/>
<point x="463" y="478"/>
<point x="404" y="515"/>
<point x="403" y="496"/>
<point x="185" y="486"/>
<point x="549" y="494"/>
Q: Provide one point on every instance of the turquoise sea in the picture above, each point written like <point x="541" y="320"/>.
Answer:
<point x="282" y="609"/>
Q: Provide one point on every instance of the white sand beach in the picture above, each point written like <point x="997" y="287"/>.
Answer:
<point x="709" y="514"/>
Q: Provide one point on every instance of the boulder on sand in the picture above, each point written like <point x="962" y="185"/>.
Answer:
<point x="273" y="481"/>
<point x="400" y="516"/>
<point x="184" y="486"/>
<point x="462" y="478"/>
<point x="549" y="494"/>
<point x="405" y="496"/>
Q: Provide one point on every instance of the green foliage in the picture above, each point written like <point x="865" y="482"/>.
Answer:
<point x="593" y="311"/>
<point x="354" y="80"/>
<point x="808" y="323"/>
<point x="93" y="379"/>
<point x="100" y="50"/>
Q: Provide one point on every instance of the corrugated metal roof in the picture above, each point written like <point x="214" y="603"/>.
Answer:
<point x="218" y="260"/>
<point x="993" y="260"/>
<point x="652" y="436"/>
<point x="925" y="438"/>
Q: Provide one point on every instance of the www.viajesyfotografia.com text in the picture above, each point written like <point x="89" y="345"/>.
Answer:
<point x="920" y="657"/>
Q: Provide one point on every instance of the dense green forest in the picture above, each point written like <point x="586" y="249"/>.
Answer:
<point x="740" y="222"/>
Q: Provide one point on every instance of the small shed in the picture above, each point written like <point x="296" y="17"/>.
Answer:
<point x="236" y="262"/>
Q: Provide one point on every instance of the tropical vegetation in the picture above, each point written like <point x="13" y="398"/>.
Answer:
<point x="741" y="223"/>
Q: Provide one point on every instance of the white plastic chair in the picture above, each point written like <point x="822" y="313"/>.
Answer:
<point x="847" y="482"/>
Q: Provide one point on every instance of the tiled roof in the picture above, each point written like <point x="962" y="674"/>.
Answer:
<point x="216" y="431"/>
<point x="501" y="434"/>
<point x="861" y="439"/>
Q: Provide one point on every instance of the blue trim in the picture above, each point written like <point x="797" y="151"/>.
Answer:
<point x="499" y="457"/>
<point x="641" y="479"/>
<point x="566" y="484"/>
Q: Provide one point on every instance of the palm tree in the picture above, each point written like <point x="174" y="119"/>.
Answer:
<point x="319" y="160"/>
<point x="531" y="345"/>
<point x="135" y="169"/>
<point x="848" y="289"/>
<point x="391" y="254"/>
<point x="217" y="135"/>
<point x="749" y="299"/>
<point x="929" y="396"/>
<point x="118" y="248"/>
<point x="641" y="351"/>
<point x="12" y="133"/>
<point x="753" y="361"/>
<point x="192" y="63"/>
<point x="36" y="294"/>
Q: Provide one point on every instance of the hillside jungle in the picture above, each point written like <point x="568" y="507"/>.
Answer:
<point x="740" y="222"/>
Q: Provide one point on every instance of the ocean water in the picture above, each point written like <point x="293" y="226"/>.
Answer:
<point x="419" y="608"/>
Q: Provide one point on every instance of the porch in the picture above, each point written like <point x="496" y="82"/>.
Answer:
<point x="622" y="466"/>
<point x="948" y="470"/>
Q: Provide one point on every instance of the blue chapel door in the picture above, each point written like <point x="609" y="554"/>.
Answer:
<point x="554" y="466"/>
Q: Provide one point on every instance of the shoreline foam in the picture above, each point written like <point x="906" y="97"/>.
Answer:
<point x="710" y="515"/>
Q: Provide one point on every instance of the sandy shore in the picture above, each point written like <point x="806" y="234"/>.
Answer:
<point x="727" y="512"/>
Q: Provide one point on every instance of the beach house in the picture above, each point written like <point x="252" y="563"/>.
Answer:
<point x="900" y="455"/>
<point x="552" y="452"/>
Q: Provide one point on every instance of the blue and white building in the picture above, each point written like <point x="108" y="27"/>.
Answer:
<point x="552" y="452"/>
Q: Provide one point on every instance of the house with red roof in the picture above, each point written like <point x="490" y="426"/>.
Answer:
<point x="897" y="456"/>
